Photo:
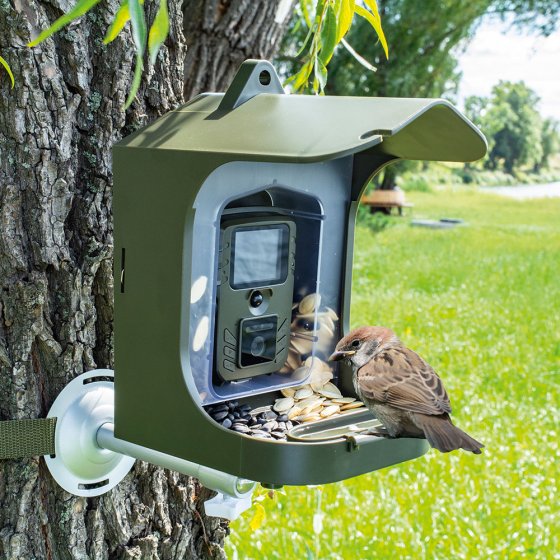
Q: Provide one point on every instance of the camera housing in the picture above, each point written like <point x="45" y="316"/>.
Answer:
<point x="254" y="296"/>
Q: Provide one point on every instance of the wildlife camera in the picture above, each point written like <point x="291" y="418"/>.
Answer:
<point x="254" y="296"/>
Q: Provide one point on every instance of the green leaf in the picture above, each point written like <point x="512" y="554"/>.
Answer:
<point x="320" y="74"/>
<point x="135" y="82"/>
<point x="302" y="77"/>
<point x="120" y="20"/>
<point x="376" y="24"/>
<point x="328" y="35"/>
<point x="258" y="518"/>
<point x="139" y="29"/>
<point x="304" y="5"/>
<point x="358" y="57"/>
<point x="8" y="69"/>
<point x="345" y="18"/>
<point x="159" y="30"/>
<point x="81" y="8"/>
<point x="307" y="37"/>
<point x="319" y="11"/>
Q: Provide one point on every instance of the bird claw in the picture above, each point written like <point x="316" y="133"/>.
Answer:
<point x="354" y="440"/>
<point x="377" y="432"/>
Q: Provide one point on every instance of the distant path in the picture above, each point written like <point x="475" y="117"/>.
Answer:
<point x="524" y="192"/>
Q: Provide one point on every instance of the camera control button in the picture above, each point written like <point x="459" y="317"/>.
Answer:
<point x="229" y="338"/>
<point x="229" y="352"/>
<point x="230" y="366"/>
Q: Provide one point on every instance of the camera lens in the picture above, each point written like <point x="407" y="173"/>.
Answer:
<point x="256" y="299"/>
<point x="258" y="346"/>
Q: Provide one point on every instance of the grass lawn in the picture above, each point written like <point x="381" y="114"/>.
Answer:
<point x="482" y="304"/>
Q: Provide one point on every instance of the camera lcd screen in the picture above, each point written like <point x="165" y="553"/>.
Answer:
<point x="260" y="256"/>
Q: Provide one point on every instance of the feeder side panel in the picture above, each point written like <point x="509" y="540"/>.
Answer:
<point x="153" y="196"/>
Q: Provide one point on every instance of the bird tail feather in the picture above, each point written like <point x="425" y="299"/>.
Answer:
<point x="444" y="436"/>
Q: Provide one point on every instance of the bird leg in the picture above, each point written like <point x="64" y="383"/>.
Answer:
<point x="361" y="436"/>
<point x="378" y="431"/>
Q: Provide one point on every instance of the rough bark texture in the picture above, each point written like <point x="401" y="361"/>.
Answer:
<point x="56" y="131"/>
<point x="222" y="34"/>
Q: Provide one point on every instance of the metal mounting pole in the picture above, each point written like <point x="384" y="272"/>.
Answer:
<point x="234" y="492"/>
<point x="89" y="460"/>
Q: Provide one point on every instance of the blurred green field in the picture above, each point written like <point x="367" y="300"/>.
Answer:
<point x="482" y="304"/>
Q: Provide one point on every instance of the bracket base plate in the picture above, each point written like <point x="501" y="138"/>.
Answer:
<point x="80" y="466"/>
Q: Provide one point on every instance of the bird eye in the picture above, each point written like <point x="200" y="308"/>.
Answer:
<point x="355" y="343"/>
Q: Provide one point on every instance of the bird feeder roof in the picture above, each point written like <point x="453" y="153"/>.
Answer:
<point x="280" y="127"/>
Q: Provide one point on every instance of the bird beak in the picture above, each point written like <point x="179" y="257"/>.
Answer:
<point x="340" y="355"/>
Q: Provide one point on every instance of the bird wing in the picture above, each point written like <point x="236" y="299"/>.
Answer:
<point x="401" y="378"/>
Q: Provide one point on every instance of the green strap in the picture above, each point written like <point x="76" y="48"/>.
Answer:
<point x="27" y="438"/>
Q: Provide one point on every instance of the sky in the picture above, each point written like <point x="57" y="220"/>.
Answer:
<point x="497" y="53"/>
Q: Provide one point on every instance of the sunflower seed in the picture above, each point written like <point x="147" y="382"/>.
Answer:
<point x="333" y="388"/>
<point x="329" y="394"/>
<point x="311" y="418"/>
<point x="330" y="410"/>
<point x="301" y="345"/>
<point x="303" y="393"/>
<point x="309" y="303"/>
<point x="296" y="411"/>
<point x="352" y="405"/>
<point x="282" y="405"/>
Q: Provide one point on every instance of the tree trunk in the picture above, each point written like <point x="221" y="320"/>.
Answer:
<point x="222" y="34"/>
<point x="57" y="127"/>
<point x="389" y="178"/>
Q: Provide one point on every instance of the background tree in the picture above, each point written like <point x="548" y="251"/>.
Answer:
<point x="512" y="125"/>
<point x="550" y="142"/>
<point x="57" y="127"/>
<point x="425" y="39"/>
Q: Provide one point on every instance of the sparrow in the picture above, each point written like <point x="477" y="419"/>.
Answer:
<point x="401" y="389"/>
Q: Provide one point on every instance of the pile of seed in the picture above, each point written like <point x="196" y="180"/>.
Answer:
<point x="262" y="422"/>
<point x="269" y="424"/>
<point x="308" y="405"/>
<point x="312" y="329"/>
<point x="230" y="414"/>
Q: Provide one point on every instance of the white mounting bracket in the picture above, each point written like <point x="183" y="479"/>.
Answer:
<point x="90" y="460"/>
<point x="80" y="466"/>
<point x="222" y="505"/>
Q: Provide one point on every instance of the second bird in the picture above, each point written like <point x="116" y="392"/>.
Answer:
<point x="401" y="389"/>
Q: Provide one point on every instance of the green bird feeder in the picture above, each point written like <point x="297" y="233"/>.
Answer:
<point x="234" y="232"/>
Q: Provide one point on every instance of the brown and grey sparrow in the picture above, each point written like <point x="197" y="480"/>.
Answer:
<point x="401" y="389"/>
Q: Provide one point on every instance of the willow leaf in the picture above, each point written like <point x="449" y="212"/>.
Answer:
<point x="358" y="57"/>
<point x="81" y="8"/>
<point x="328" y="35"/>
<point x="8" y="69"/>
<point x="139" y="29"/>
<point x="320" y="75"/>
<point x="372" y="5"/>
<point x="305" y="12"/>
<point x="299" y="80"/>
<point x="376" y="24"/>
<point x="135" y="82"/>
<point x="159" y="30"/>
<point x="121" y="18"/>
<point x="345" y="18"/>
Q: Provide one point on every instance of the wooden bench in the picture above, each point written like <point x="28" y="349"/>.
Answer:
<point x="385" y="201"/>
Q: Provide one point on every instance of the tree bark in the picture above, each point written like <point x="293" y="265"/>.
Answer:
<point x="221" y="34"/>
<point x="57" y="127"/>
